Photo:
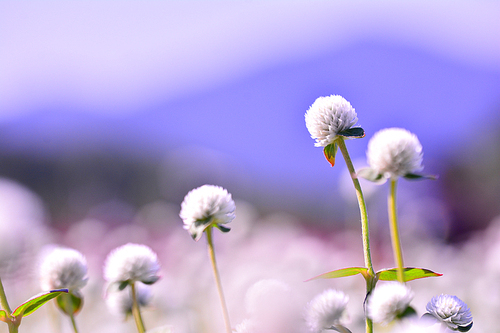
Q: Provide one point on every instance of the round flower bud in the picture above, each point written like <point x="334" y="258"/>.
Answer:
<point x="394" y="152"/>
<point x="327" y="117"/>
<point x="451" y="311"/>
<point x="205" y="206"/>
<point x="130" y="263"/>
<point x="326" y="310"/>
<point x="387" y="301"/>
<point x="63" y="268"/>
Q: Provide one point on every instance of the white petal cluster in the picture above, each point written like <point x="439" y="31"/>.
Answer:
<point x="387" y="301"/>
<point x="328" y="116"/>
<point x="326" y="310"/>
<point x="63" y="268"/>
<point x="394" y="152"/>
<point x="119" y="303"/>
<point x="450" y="310"/>
<point x="131" y="262"/>
<point x="204" y="206"/>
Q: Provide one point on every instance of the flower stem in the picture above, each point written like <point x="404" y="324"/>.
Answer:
<point x="73" y="323"/>
<point x="393" y="222"/>
<point x="362" y="207"/>
<point x="135" y="310"/>
<point x="364" y="226"/>
<point x="211" y="253"/>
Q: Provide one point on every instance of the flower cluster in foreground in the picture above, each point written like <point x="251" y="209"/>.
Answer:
<point x="388" y="301"/>
<point x="63" y="268"/>
<point x="326" y="310"/>
<point x="451" y="311"/>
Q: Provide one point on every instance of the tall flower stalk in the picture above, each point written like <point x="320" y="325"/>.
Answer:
<point x="203" y="209"/>
<point x="330" y="120"/>
<point x="393" y="223"/>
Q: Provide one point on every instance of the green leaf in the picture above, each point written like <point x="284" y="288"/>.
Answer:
<point x="330" y="151"/>
<point x="408" y="312"/>
<point x="465" y="328"/>
<point x="414" y="176"/>
<point x="341" y="273"/>
<point x="371" y="175"/>
<point x="355" y="132"/>
<point x="410" y="273"/>
<point x="35" y="302"/>
<point x="150" y="280"/>
<point x="3" y="316"/>
<point x="69" y="303"/>
<point x="222" y="228"/>
<point x="122" y="285"/>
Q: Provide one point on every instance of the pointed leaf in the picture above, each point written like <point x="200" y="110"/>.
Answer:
<point x="414" y="176"/>
<point x="151" y="280"/>
<point x="222" y="228"/>
<point x="355" y="132"/>
<point x="330" y="151"/>
<point x="70" y="303"/>
<point x="465" y="328"/>
<point x="122" y="285"/>
<point x="35" y="302"/>
<point x="3" y="316"/>
<point x="341" y="273"/>
<point x="410" y="273"/>
<point x="371" y="175"/>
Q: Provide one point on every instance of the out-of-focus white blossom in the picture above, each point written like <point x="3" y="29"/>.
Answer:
<point x="205" y="206"/>
<point x="450" y="310"/>
<point x="328" y="116"/>
<point x="326" y="310"/>
<point x="132" y="262"/>
<point x="394" y="152"/>
<point x="119" y="302"/>
<point x="246" y="326"/>
<point x="387" y="301"/>
<point x="63" y="268"/>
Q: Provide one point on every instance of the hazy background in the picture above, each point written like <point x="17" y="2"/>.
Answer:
<point x="106" y="107"/>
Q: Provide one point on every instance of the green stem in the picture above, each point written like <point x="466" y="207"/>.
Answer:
<point x="362" y="207"/>
<point x="364" y="226"/>
<point x="211" y="253"/>
<point x="73" y="323"/>
<point x="135" y="310"/>
<point x="393" y="222"/>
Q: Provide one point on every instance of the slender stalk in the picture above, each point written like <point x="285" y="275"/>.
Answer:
<point x="364" y="226"/>
<point x="73" y="323"/>
<point x="135" y="309"/>
<point x="393" y="222"/>
<point x="211" y="253"/>
<point x="362" y="207"/>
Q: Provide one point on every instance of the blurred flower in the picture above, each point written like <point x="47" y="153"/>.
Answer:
<point x="63" y="268"/>
<point x="246" y="326"/>
<point x="205" y="206"/>
<point x="451" y="311"/>
<point x="130" y="263"/>
<point x="388" y="301"/>
<point x="394" y="152"/>
<point x="119" y="302"/>
<point x="327" y="117"/>
<point x="326" y="310"/>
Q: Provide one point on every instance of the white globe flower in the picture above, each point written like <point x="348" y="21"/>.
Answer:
<point x="130" y="263"/>
<point x="326" y="310"/>
<point x="205" y="206"/>
<point x="387" y="301"/>
<point x="451" y="311"/>
<point x="63" y="268"/>
<point x="327" y="117"/>
<point x="394" y="152"/>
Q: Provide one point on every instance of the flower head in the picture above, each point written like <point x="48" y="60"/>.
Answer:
<point x="205" y="206"/>
<point x="451" y="311"/>
<point x="63" y="268"/>
<point x="120" y="302"/>
<point x="326" y="310"/>
<point x="327" y="117"/>
<point x="130" y="263"/>
<point x="388" y="301"/>
<point x="394" y="152"/>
